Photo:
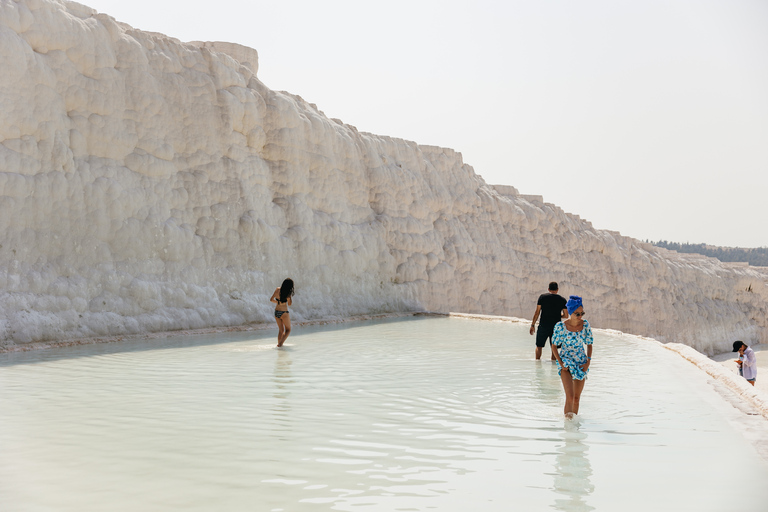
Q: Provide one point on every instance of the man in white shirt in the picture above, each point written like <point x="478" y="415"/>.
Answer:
<point x="746" y="361"/>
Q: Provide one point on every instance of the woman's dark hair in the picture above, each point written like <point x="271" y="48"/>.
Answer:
<point x="286" y="290"/>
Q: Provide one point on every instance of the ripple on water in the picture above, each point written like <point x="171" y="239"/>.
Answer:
<point x="409" y="415"/>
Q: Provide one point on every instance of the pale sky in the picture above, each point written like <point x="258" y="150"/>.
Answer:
<point x="647" y="117"/>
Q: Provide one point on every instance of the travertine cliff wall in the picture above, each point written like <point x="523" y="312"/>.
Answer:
<point x="150" y="185"/>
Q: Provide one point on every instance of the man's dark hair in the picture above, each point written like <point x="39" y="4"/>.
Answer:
<point x="553" y="286"/>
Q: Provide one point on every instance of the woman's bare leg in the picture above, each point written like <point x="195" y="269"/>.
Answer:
<point x="565" y="376"/>
<point x="578" y="387"/>
<point x="284" y="328"/>
<point x="573" y="389"/>
<point x="280" y="329"/>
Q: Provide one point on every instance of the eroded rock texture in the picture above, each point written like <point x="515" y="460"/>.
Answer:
<point x="151" y="185"/>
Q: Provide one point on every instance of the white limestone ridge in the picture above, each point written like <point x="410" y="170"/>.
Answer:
<point x="150" y="185"/>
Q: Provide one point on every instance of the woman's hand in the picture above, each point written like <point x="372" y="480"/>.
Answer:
<point x="585" y="366"/>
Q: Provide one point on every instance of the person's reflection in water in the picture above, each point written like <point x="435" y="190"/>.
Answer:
<point x="572" y="471"/>
<point x="281" y="408"/>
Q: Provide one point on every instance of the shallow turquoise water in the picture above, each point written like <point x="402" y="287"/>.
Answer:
<point x="418" y="414"/>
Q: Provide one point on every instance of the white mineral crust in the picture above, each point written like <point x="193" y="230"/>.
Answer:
<point x="151" y="185"/>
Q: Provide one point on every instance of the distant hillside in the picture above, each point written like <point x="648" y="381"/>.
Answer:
<point x="755" y="257"/>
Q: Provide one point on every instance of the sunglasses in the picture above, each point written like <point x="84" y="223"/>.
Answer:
<point x="580" y="314"/>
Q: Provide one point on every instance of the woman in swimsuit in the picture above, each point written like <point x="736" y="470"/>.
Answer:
<point x="282" y="299"/>
<point x="569" y="340"/>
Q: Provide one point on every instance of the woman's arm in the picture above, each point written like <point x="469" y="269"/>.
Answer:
<point x="557" y="335"/>
<point x="588" y="340"/>
<point x="557" y="355"/>
<point x="585" y="366"/>
<point x="275" y="295"/>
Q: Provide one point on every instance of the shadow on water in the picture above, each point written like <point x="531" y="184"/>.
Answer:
<point x="572" y="471"/>
<point x="174" y="341"/>
<point x="118" y="347"/>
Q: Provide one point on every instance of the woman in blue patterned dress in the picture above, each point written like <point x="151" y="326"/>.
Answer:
<point x="569" y="340"/>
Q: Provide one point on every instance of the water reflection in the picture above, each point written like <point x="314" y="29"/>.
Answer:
<point x="572" y="470"/>
<point x="430" y="414"/>
<point x="282" y="379"/>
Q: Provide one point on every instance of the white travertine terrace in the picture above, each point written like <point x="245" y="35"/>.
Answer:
<point x="150" y="185"/>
